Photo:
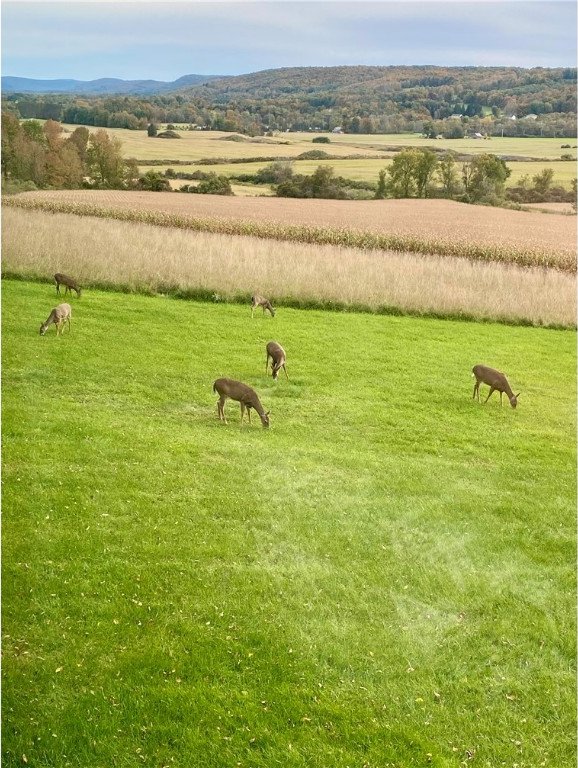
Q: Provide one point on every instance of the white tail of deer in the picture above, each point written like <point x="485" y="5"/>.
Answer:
<point x="496" y="381"/>
<point x="68" y="282"/>
<point x="59" y="316"/>
<point x="246" y="396"/>
<point x="278" y="359"/>
<point x="261" y="301"/>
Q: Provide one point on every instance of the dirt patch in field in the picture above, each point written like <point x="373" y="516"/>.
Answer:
<point x="427" y="219"/>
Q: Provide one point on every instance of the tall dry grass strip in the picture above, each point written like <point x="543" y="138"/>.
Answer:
<point x="170" y="210"/>
<point x="148" y="258"/>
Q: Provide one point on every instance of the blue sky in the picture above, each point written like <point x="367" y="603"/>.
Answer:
<point x="163" y="41"/>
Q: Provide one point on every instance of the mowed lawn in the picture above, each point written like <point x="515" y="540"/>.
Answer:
<point x="385" y="577"/>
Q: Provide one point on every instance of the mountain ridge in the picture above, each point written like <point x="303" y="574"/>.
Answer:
<point x="100" y="86"/>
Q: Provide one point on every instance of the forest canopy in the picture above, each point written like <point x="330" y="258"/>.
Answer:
<point x="508" y="100"/>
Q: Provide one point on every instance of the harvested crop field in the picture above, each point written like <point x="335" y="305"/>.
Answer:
<point x="445" y="221"/>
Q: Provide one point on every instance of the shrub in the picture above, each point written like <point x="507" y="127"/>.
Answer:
<point x="168" y="135"/>
<point x="321" y="140"/>
<point x="211" y="185"/>
<point x="313" y="154"/>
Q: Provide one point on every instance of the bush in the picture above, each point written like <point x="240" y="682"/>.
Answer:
<point x="168" y="135"/>
<point x="211" y="185"/>
<point x="321" y="140"/>
<point x="322" y="184"/>
<point x="313" y="154"/>
<point x="153" y="181"/>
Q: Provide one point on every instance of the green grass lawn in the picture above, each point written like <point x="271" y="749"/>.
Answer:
<point x="386" y="577"/>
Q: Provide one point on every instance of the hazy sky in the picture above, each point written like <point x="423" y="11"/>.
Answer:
<point x="163" y="41"/>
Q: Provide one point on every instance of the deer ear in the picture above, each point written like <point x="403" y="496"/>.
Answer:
<point x="518" y="395"/>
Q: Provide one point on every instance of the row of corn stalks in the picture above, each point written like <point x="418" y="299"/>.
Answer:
<point x="523" y="257"/>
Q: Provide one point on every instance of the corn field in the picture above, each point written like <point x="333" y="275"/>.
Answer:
<point x="128" y="255"/>
<point x="434" y="227"/>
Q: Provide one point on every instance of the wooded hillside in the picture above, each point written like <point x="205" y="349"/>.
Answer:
<point x="508" y="100"/>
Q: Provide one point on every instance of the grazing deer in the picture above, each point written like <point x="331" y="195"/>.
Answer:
<point x="278" y="358"/>
<point x="236" y="390"/>
<point x="261" y="301"/>
<point x="69" y="284"/>
<point x="496" y="381"/>
<point x="59" y="316"/>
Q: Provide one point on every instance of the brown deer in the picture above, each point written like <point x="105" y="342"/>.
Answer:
<point x="236" y="390"/>
<point x="69" y="284"/>
<point x="278" y="358"/>
<point x="59" y="316"/>
<point x="261" y="301"/>
<point x="496" y="382"/>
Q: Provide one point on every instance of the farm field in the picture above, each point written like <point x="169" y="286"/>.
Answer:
<point x="436" y="224"/>
<point x="136" y="256"/>
<point x="194" y="145"/>
<point x="362" y="169"/>
<point x="385" y="577"/>
<point x="374" y="152"/>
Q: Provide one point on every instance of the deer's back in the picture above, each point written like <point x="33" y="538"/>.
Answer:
<point x="488" y="375"/>
<point x="234" y="389"/>
<point x="275" y="350"/>
<point x="62" y="310"/>
<point x="65" y="279"/>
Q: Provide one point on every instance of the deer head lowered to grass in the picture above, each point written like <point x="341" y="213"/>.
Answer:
<point x="261" y="301"/>
<point x="247" y="397"/>
<point x="68" y="282"/>
<point x="496" y="381"/>
<point x="278" y="358"/>
<point x="59" y="316"/>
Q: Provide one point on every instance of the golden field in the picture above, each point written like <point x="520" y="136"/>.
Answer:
<point x="194" y="145"/>
<point x="354" y="156"/>
<point x="443" y="221"/>
<point x="148" y="258"/>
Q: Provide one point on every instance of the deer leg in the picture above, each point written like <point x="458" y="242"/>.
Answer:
<point x="501" y="404"/>
<point x="488" y="397"/>
<point x="285" y="369"/>
<point x="249" y="413"/>
<point x="477" y="391"/>
<point x="242" y="412"/>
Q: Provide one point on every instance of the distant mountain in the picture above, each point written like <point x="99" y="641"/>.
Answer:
<point x="103" y="86"/>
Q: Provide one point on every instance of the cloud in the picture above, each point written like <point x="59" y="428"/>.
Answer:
<point x="166" y="40"/>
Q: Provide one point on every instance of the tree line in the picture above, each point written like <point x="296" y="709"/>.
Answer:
<point x="41" y="155"/>
<point x="36" y="154"/>
<point x="356" y="99"/>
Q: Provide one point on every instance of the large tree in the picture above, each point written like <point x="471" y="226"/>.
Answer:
<point x="105" y="164"/>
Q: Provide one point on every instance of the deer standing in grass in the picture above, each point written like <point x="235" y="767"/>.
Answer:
<point x="69" y="284"/>
<point x="59" y="316"/>
<point x="246" y="396"/>
<point x="278" y="358"/>
<point x="496" y="382"/>
<point x="261" y="301"/>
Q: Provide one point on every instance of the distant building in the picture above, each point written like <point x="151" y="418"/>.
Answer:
<point x="339" y="129"/>
<point x="456" y="117"/>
